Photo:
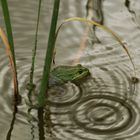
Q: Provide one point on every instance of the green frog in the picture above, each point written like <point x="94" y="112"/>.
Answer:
<point x="63" y="74"/>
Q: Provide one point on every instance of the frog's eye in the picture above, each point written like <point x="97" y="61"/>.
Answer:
<point x="80" y="71"/>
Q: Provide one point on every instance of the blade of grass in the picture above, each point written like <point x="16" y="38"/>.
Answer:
<point x="10" y="56"/>
<point x="8" y="26"/>
<point x="116" y="37"/>
<point x="10" y="41"/>
<point x="49" y="54"/>
<point x="34" y="49"/>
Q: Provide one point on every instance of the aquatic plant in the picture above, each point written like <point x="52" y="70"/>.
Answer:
<point x="11" y="60"/>
<point x="31" y="84"/>
<point x="49" y="54"/>
<point x="10" y="44"/>
<point x="8" y="27"/>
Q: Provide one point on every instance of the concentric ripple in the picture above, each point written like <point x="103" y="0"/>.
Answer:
<point x="64" y="95"/>
<point x="107" y="115"/>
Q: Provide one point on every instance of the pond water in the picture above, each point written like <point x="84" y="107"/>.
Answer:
<point x="105" y="106"/>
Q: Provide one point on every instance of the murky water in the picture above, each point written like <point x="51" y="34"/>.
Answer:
<point x="105" y="106"/>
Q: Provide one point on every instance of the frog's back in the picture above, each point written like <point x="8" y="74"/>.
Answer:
<point x="54" y="81"/>
<point x="64" y="73"/>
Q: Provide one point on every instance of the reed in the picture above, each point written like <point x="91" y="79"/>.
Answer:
<point x="34" y="50"/>
<point x="8" y="26"/>
<point x="9" y="54"/>
<point x="49" y="54"/>
<point x="10" y="43"/>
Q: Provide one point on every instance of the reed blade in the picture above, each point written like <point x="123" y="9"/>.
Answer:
<point x="10" y="43"/>
<point x="49" y="54"/>
<point x="34" y="49"/>
<point x="8" y="26"/>
<point x="11" y="61"/>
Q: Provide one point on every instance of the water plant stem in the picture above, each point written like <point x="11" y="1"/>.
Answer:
<point x="34" y="49"/>
<point x="8" y="26"/>
<point x="10" y="43"/>
<point x="9" y="54"/>
<point x="49" y="54"/>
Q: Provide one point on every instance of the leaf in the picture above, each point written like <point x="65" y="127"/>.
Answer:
<point x="9" y="44"/>
<point x="49" y="54"/>
<point x="8" y="26"/>
<point x="34" y="49"/>
<point x="10" y="56"/>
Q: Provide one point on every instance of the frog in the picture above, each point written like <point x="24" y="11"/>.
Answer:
<point x="63" y="74"/>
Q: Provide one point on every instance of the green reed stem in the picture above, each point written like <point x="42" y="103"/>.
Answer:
<point x="35" y="48"/>
<point x="8" y="26"/>
<point x="49" y="54"/>
<point x="10" y="38"/>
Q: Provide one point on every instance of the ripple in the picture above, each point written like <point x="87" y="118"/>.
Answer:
<point x="89" y="112"/>
<point x="116" y="79"/>
<point x="66" y="94"/>
<point x="107" y="115"/>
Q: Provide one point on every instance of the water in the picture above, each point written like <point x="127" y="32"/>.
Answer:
<point x="106" y="104"/>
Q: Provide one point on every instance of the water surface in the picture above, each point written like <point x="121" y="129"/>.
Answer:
<point x="106" y="105"/>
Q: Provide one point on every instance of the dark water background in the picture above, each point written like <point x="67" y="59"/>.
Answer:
<point x="105" y="106"/>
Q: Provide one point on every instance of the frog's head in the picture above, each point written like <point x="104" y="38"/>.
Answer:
<point x="79" y="72"/>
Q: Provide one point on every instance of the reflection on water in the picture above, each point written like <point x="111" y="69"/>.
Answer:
<point x="8" y="137"/>
<point x="105" y="106"/>
<point x="94" y="12"/>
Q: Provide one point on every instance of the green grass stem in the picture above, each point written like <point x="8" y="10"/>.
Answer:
<point x="49" y="54"/>
<point x="8" y="25"/>
<point x="34" y="49"/>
